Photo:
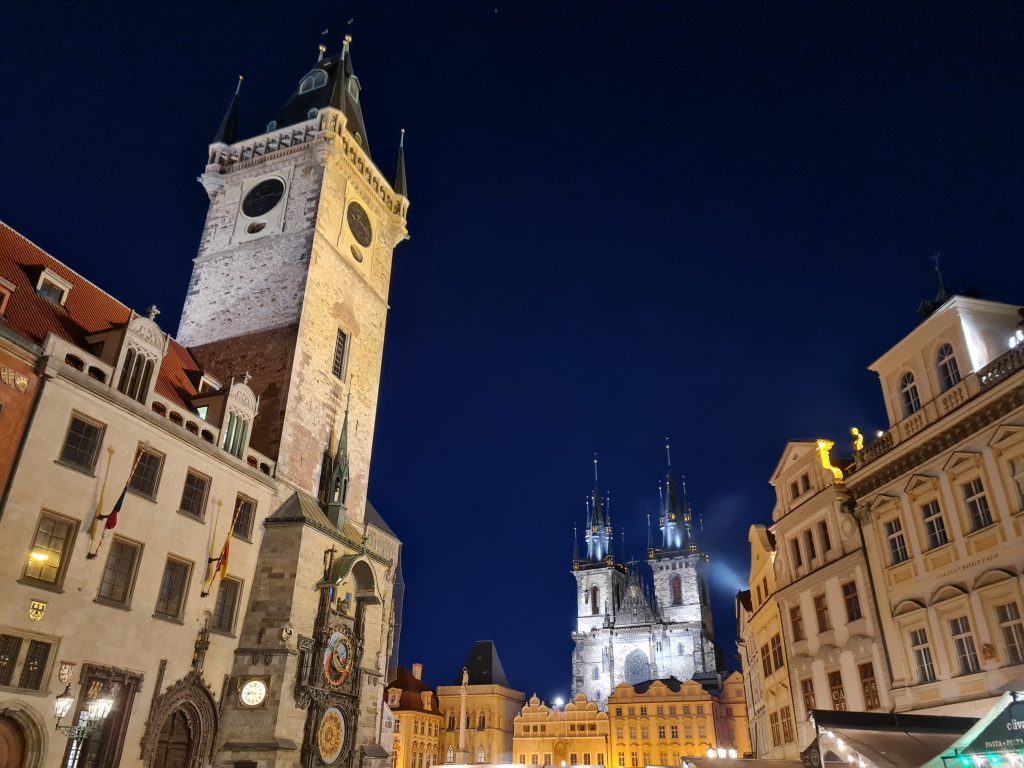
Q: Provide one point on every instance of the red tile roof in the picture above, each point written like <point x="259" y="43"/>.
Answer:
<point x="88" y="309"/>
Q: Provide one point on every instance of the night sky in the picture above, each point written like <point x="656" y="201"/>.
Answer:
<point x="629" y="220"/>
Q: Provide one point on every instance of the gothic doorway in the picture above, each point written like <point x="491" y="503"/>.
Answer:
<point x="12" y="743"/>
<point x="175" y="743"/>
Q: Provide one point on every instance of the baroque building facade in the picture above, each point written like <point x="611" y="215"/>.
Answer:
<point x="418" y="719"/>
<point x="627" y="631"/>
<point x="576" y="734"/>
<point x="896" y="575"/>
<point x="206" y="496"/>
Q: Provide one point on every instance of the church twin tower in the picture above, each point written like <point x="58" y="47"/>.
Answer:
<point x="627" y="632"/>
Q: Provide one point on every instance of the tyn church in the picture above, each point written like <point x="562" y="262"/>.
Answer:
<point x="627" y="630"/>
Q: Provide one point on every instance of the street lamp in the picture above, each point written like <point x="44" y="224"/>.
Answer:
<point x="90" y="721"/>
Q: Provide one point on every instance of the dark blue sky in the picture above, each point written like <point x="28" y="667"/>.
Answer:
<point x="629" y="220"/>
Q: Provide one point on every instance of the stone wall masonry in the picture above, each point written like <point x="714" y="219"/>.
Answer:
<point x="267" y="355"/>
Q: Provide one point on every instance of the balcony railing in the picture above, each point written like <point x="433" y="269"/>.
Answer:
<point x="999" y="370"/>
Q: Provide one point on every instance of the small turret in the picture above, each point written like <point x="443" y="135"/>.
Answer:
<point x="227" y="131"/>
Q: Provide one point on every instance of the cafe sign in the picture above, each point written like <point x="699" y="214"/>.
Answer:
<point x="1005" y="733"/>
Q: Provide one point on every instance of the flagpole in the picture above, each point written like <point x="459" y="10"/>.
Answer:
<point x="95" y="525"/>
<point x="221" y="559"/>
<point x="211" y="559"/>
<point x="138" y="457"/>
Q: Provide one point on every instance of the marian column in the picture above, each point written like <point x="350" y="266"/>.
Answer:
<point x="463" y="757"/>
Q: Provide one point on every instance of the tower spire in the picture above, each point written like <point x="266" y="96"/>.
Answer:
<point x="228" y="129"/>
<point x="401" y="187"/>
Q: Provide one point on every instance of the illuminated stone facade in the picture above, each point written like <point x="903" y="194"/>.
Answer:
<point x="418" y="720"/>
<point x="628" y="632"/>
<point x="575" y="735"/>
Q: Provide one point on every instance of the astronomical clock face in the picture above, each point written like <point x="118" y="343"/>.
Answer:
<point x="263" y="198"/>
<point x="253" y="693"/>
<point x="338" y="659"/>
<point x="330" y="735"/>
<point x="359" y="223"/>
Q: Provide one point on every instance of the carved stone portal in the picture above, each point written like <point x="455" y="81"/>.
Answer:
<point x="193" y="699"/>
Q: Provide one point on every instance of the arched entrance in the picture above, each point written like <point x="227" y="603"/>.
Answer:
<point x="175" y="743"/>
<point x="12" y="743"/>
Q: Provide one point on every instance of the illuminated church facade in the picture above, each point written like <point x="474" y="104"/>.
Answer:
<point x="628" y="629"/>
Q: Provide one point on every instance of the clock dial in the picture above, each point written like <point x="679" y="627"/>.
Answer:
<point x="359" y="223"/>
<point x="253" y="693"/>
<point x="263" y="197"/>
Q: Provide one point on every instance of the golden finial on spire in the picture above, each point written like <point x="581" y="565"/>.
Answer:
<point x="323" y="49"/>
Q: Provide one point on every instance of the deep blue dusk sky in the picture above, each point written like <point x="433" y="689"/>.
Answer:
<point x="629" y="220"/>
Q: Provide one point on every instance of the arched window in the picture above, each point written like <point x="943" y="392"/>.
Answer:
<point x="481" y="722"/>
<point x="677" y="591"/>
<point x="593" y="601"/>
<point x="949" y="371"/>
<point x="908" y="393"/>
<point x="315" y="79"/>
<point x="451" y="722"/>
<point x="596" y="674"/>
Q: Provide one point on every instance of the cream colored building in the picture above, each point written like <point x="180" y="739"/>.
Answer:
<point x="418" y="720"/>
<point x="242" y="437"/>
<point x="764" y="656"/>
<point x="661" y="722"/>
<point x="831" y="632"/>
<point x="490" y="710"/>
<point x="940" y="498"/>
<point x="574" y="735"/>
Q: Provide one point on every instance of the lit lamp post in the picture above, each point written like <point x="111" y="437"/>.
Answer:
<point x="90" y="722"/>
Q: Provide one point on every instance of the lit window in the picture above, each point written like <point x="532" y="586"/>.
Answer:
<point x="922" y="655"/>
<point x="949" y="371"/>
<point x="51" y="548"/>
<point x="81" y="444"/>
<point x="119" y="572"/>
<point x="170" y="603"/>
<point x="977" y="504"/>
<point x="835" y="686"/>
<point x="963" y="641"/>
<point x="897" y="545"/>
<point x="227" y="605"/>
<point x="146" y="476"/>
<point x="869" y="686"/>
<point x="908" y="393"/>
<point x="1010" y="626"/>
<point x="193" y="495"/>
<point x="934" y="524"/>
<point x="852" y="601"/>
<point x="315" y="79"/>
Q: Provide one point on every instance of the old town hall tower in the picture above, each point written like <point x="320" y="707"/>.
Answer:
<point x="290" y="292"/>
<point x="628" y="630"/>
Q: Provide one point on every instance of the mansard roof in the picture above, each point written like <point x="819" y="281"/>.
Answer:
<point x="412" y="693"/>
<point x="87" y="310"/>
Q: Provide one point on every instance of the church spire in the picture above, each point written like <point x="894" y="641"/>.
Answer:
<point x="598" y="535"/>
<point x="227" y="131"/>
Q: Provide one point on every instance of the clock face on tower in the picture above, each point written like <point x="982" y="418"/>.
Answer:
<point x="263" y="197"/>
<point x="253" y="693"/>
<point x="359" y="223"/>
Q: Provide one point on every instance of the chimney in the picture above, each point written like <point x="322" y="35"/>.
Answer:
<point x="417" y="671"/>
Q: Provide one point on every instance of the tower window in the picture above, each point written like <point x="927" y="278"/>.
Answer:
<point x="949" y="371"/>
<point x="908" y="393"/>
<point x="593" y="600"/>
<point x="677" y="591"/>
<point x="315" y="79"/>
<point x="340" y="348"/>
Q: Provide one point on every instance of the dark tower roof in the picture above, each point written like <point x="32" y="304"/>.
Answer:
<point x="227" y="132"/>
<point x="484" y="666"/>
<point x="340" y="90"/>
<point x="400" y="185"/>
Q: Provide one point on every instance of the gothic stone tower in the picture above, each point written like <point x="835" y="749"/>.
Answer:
<point x="291" y="281"/>
<point x="290" y="287"/>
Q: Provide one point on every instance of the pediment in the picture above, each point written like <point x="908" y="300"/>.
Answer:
<point x="993" y="576"/>
<point x="906" y="607"/>
<point x="947" y="592"/>
<point x="881" y="501"/>
<point x="148" y="331"/>
<point x="921" y="484"/>
<point x="1006" y="436"/>
<point x="960" y="460"/>
<point x="791" y="455"/>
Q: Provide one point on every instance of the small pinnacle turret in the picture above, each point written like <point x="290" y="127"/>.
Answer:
<point x="227" y="131"/>
<point x="400" y="185"/>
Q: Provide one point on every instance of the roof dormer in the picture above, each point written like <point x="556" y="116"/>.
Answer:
<point x="53" y="287"/>
<point x="143" y="347"/>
